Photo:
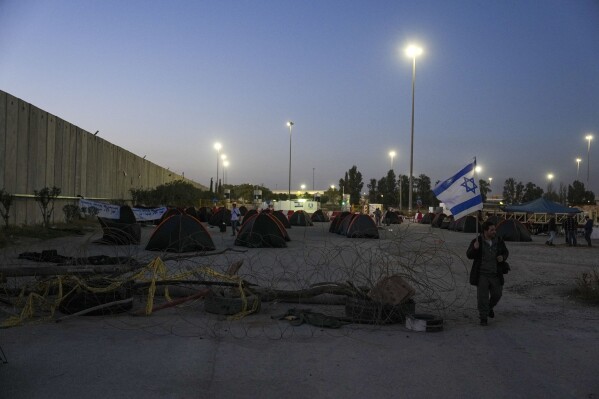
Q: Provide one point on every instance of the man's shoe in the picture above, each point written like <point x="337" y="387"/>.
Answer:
<point x="491" y="313"/>
<point x="483" y="322"/>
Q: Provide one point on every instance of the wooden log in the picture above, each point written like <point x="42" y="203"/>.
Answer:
<point x="92" y="309"/>
<point x="23" y="271"/>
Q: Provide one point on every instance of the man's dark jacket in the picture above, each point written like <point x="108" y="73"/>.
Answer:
<point x="477" y="254"/>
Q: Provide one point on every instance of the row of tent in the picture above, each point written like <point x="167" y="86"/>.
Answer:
<point x="181" y="230"/>
<point x="507" y="229"/>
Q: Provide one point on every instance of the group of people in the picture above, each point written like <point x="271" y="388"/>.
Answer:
<point x="570" y="227"/>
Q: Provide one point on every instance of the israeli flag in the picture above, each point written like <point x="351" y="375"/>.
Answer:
<point x="460" y="193"/>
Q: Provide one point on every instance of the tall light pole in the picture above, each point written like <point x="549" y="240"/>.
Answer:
<point x="217" y="147"/>
<point x="223" y="158"/>
<point x="589" y="138"/>
<point x="413" y="52"/>
<point x="578" y="160"/>
<point x="225" y="166"/>
<point x="289" y="125"/>
<point x="550" y="185"/>
<point x="313" y="178"/>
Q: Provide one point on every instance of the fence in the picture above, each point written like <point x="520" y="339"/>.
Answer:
<point x="38" y="149"/>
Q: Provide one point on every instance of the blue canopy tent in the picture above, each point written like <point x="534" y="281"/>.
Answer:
<point x="541" y="205"/>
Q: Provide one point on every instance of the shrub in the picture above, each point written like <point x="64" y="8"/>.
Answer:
<point x="70" y="212"/>
<point x="45" y="198"/>
<point x="587" y="286"/>
<point x="6" y="201"/>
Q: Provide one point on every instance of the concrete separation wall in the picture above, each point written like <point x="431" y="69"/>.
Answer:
<point x="38" y="149"/>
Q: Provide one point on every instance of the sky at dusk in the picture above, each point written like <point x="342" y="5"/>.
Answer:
<point x="513" y="83"/>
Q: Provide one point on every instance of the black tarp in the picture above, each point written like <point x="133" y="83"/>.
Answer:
<point x="180" y="233"/>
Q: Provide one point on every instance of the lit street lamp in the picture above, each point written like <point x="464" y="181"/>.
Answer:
<point x="549" y="185"/>
<point x="578" y="160"/>
<point x="589" y="138"/>
<point x="392" y="155"/>
<point x="225" y="166"/>
<point x="413" y="52"/>
<point x="223" y="158"/>
<point x="289" y="125"/>
<point x="217" y="147"/>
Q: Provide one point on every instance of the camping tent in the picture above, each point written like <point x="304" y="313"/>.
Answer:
<point x="281" y="218"/>
<point x="223" y="215"/>
<point x="336" y="222"/>
<point x="319" y="216"/>
<point x="180" y="233"/>
<point x="362" y="226"/>
<point x="122" y="231"/>
<point x="513" y="230"/>
<point x="427" y="218"/>
<point x="345" y="223"/>
<point x="439" y="217"/>
<point x="249" y="214"/>
<point x="205" y="214"/>
<point x="262" y="230"/>
<point x="392" y="217"/>
<point x="467" y="224"/>
<point x="541" y="205"/>
<point x="300" y="218"/>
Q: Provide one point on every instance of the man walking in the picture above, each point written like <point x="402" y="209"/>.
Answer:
<point x="571" y="227"/>
<point x="588" y="229"/>
<point x="235" y="214"/>
<point x="488" y="253"/>
<point x="552" y="227"/>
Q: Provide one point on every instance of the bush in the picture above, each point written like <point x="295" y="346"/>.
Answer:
<point x="70" y="212"/>
<point x="587" y="286"/>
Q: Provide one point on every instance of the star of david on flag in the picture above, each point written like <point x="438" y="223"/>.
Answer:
<point x="460" y="192"/>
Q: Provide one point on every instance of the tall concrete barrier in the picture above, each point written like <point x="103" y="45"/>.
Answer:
<point x="38" y="149"/>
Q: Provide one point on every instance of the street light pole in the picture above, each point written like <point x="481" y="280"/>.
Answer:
<point x="217" y="147"/>
<point x="412" y="51"/>
<point x="589" y="138"/>
<point x="290" y="125"/>
<point x="313" y="179"/>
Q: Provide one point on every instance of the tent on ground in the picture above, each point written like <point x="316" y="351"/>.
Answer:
<point x="336" y="222"/>
<point x="248" y="215"/>
<point x="362" y="226"/>
<point x="192" y="211"/>
<point x="439" y="217"/>
<point x="345" y="223"/>
<point x="319" y="216"/>
<point x="541" y="205"/>
<point x="205" y="214"/>
<point x="122" y="231"/>
<point x="300" y="218"/>
<point x="446" y="222"/>
<point x="243" y="210"/>
<point x="513" y="230"/>
<point x="282" y="218"/>
<point x="393" y="217"/>
<point x="262" y="230"/>
<point x="170" y="212"/>
<point x="427" y="218"/>
<point x="467" y="224"/>
<point x="223" y="215"/>
<point x="180" y="233"/>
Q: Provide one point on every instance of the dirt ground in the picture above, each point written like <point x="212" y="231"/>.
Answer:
<point x="542" y="342"/>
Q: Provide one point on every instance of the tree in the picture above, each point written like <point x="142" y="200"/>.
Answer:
<point x="383" y="191"/>
<point x="512" y="191"/>
<point x="578" y="195"/>
<point x="352" y="184"/>
<point x="372" y="191"/>
<point x="531" y="192"/>
<point x="6" y="201"/>
<point x="391" y="189"/>
<point x="422" y="184"/>
<point x="484" y="188"/>
<point x="45" y="198"/>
